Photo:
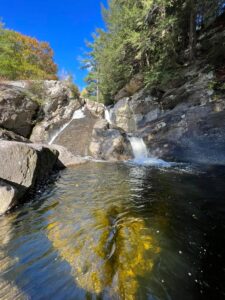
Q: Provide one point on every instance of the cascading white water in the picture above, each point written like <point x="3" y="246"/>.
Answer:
<point x="108" y="115"/>
<point x="141" y="155"/>
<point x="139" y="148"/>
<point x="78" y="114"/>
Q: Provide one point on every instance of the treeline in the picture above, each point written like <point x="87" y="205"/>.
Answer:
<point x="23" y="57"/>
<point x="145" y="37"/>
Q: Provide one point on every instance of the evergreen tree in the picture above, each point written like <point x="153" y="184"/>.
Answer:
<point x="147" y="37"/>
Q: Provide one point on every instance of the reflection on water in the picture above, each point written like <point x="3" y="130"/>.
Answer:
<point x="117" y="231"/>
<point x="106" y="244"/>
<point x="8" y="289"/>
<point x="109" y="252"/>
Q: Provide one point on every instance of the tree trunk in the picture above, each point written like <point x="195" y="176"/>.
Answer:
<point x="192" y="31"/>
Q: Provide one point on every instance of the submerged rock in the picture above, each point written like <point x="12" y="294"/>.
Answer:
<point x="109" y="143"/>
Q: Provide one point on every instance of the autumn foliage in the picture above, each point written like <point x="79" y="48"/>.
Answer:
<point x="23" y="57"/>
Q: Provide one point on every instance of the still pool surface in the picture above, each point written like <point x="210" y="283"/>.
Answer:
<point x="118" y="231"/>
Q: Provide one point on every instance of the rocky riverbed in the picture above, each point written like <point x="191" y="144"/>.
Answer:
<point x="44" y="127"/>
<point x="40" y="134"/>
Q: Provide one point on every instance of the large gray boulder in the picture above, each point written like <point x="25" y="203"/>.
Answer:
<point x="17" y="110"/>
<point x="109" y="143"/>
<point x="76" y="137"/>
<point x="22" y="166"/>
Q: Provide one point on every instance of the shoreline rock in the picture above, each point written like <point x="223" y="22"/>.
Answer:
<point x="22" y="167"/>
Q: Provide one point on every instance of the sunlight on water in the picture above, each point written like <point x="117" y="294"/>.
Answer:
<point x="117" y="231"/>
<point x="107" y="253"/>
<point x="8" y="289"/>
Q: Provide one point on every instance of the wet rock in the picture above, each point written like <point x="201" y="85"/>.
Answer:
<point x="8" y="196"/>
<point x="195" y="134"/>
<point x="17" y="110"/>
<point x="109" y="143"/>
<point x="23" y="166"/>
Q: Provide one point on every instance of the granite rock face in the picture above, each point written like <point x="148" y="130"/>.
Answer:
<point x="184" y="123"/>
<point x="109" y="143"/>
<point x="95" y="108"/>
<point x="17" y="110"/>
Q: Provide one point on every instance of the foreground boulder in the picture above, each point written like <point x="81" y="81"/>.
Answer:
<point x="109" y="143"/>
<point x="22" y="166"/>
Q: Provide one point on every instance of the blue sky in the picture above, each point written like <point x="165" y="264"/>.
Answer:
<point x="65" y="24"/>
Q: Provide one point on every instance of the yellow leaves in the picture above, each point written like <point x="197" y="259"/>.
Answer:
<point x="32" y="59"/>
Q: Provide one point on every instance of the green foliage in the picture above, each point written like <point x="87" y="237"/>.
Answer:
<point x="23" y="57"/>
<point x="143" y="36"/>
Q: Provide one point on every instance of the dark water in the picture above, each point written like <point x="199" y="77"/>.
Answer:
<point x="118" y="231"/>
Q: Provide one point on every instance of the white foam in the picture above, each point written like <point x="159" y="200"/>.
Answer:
<point x="141" y="154"/>
<point x="108" y="115"/>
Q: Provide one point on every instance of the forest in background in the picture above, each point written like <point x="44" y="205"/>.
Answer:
<point x="151" y="38"/>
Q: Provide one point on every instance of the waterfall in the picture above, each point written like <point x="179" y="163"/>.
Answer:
<point x="139" y="148"/>
<point x="78" y="114"/>
<point x="141" y="154"/>
<point x="108" y="115"/>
